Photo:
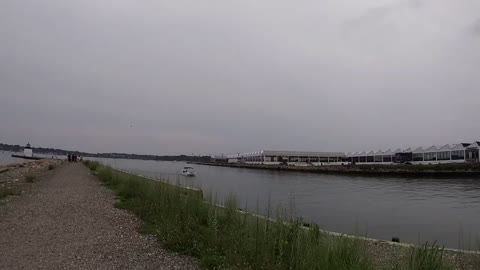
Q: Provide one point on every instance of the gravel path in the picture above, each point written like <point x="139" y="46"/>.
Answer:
<point x="68" y="221"/>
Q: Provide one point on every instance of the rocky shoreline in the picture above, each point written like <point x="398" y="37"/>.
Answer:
<point x="14" y="177"/>
<point x="443" y="170"/>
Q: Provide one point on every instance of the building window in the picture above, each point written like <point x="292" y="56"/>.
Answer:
<point x="370" y="159"/>
<point x="363" y="159"/>
<point x="458" y="155"/>
<point x="387" y="158"/>
<point x="378" y="159"/>
<point x="418" y="157"/>
<point x="332" y="159"/>
<point x="293" y="159"/>
<point x="430" y="156"/>
<point x="443" y="155"/>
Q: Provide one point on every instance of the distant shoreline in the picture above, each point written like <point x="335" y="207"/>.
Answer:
<point x="438" y="170"/>
<point x="61" y="152"/>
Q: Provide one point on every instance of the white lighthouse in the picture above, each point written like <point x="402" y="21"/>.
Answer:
<point x="27" y="151"/>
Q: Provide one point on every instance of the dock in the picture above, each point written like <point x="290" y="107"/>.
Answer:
<point x="27" y="157"/>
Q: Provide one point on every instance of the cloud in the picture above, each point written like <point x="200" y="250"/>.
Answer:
<point x="475" y="29"/>
<point x="230" y="77"/>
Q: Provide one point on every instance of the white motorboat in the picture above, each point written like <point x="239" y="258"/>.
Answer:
<point x="188" y="171"/>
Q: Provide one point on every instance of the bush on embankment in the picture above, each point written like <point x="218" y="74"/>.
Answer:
<point x="223" y="238"/>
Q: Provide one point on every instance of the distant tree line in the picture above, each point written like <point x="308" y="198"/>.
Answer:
<point x="61" y="152"/>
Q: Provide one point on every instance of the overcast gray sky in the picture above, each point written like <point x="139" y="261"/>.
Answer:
<point x="228" y="76"/>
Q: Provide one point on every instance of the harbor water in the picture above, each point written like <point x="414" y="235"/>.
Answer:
<point x="6" y="159"/>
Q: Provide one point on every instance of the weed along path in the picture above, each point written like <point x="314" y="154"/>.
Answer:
<point x="68" y="220"/>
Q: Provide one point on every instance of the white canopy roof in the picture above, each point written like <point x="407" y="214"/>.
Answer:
<point x="457" y="147"/>
<point x="445" y="148"/>
<point x="419" y="150"/>
<point x="474" y="145"/>
<point x="388" y="152"/>
<point x="432" y="148"/>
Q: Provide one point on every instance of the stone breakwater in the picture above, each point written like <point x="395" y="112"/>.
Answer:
<point x="463" y="169"/>
<point x="14" y="177"/>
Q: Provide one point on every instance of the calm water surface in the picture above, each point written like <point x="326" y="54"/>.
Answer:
<point x="6" y="158"/>
<point x="416" y="210"/>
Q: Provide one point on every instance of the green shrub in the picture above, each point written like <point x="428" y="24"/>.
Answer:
<point x="92" y="165"/>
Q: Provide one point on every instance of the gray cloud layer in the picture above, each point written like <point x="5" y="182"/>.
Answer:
<point x="223" y="76"/>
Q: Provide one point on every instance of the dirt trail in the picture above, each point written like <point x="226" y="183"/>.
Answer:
<point x="68" y="221"/>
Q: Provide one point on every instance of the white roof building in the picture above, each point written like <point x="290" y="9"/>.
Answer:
<point x="419" y="150"/>
<point x="460" y="146"/>
<point x="445" y="148"/>
<point x="474" y="145"/>
<point x="431" y="149"/>
<point x="287" y="153"/>
<point x="388" y="153"/>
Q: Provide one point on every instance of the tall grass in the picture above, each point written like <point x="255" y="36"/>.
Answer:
<point x="428" y="258"/>
<point x="224" y="238"/>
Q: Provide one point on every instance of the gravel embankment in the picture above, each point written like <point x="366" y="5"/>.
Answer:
<point x="67" y="220"/>
<point x="13" y="177"/>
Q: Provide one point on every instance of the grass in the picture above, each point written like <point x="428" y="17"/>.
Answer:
<point x="91" y="165"/>
<point x="224" y="238"/>
<point x="428" y="258"/>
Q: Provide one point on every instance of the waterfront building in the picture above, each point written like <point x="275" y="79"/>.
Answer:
<point x="388" y="157"/>
<point x="379" y="157"/>
<point x="472" y="152"/>
<point x="294" y="158"/>
<point x="455" y="153"/>
<point x="219" y="158"/>
<point x="418" y="155"/>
